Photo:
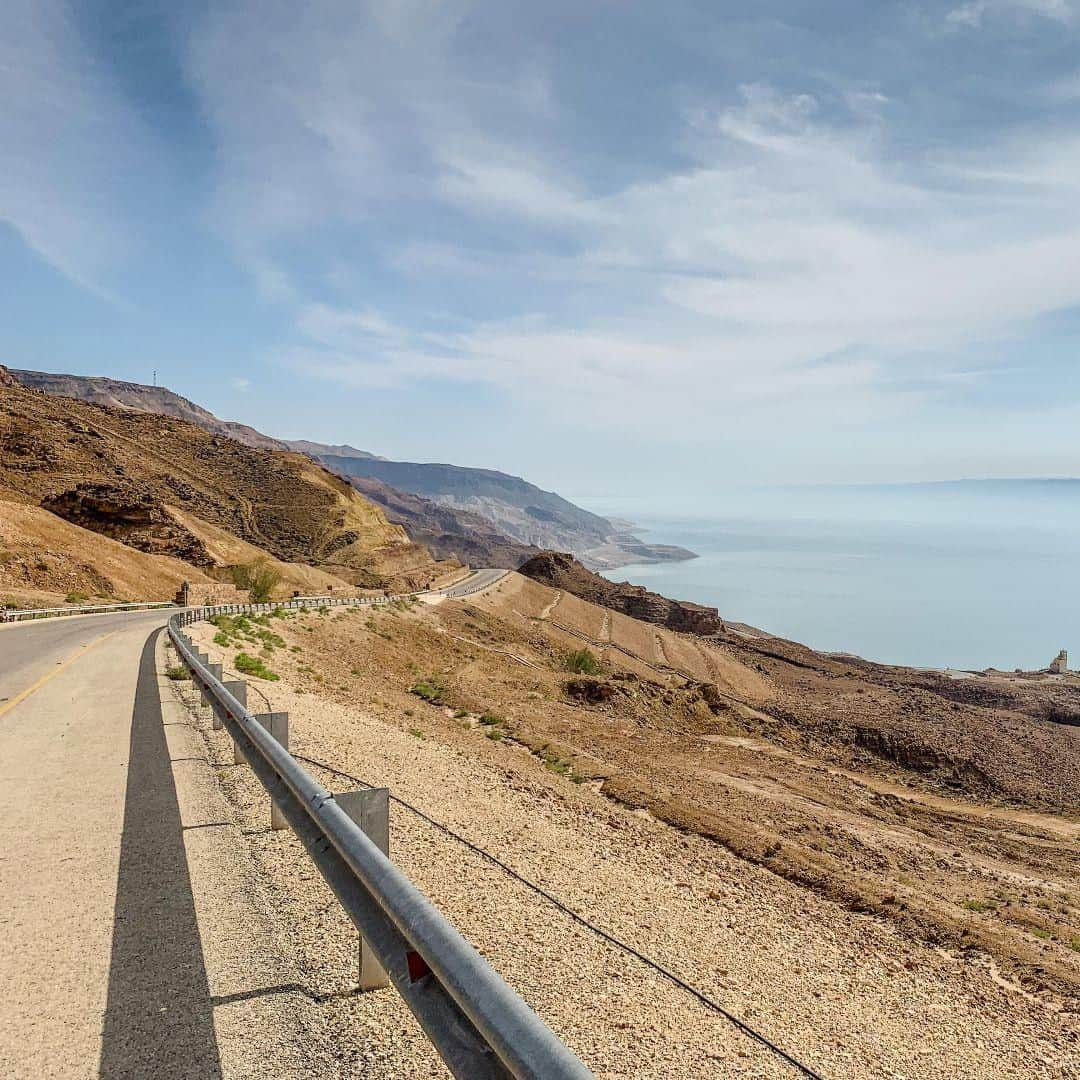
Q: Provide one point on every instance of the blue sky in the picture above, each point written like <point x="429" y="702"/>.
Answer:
<point x="611" y="246"/>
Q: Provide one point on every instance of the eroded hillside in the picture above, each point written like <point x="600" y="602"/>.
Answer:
<point x="163" y="486"/>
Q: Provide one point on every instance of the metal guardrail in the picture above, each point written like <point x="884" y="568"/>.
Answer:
<point x="480" y="1027"/>
<point x="17" y="615"/>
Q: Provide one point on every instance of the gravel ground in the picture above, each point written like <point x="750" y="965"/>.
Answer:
<point x="844" y="992"/>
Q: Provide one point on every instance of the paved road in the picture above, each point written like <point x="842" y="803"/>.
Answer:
<point x="479" y="581"/>
<point x="73" y="702"/>
<point x="102" y="971"/>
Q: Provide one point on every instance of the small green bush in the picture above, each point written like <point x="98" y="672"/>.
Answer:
<point x="221" y="638"/>
<point x="491" y="719"/>
<point x="495" y="734"/>
<point x="251" y="665"/>
<point x="76" y="598"/>
<point x="429" y="689"/>
<point x="416" y="733"/>
<point x="980" y="905"/>
<point x="258" y="577"/>
<point x="582" y="662"/>
<point x="177" y="672"/>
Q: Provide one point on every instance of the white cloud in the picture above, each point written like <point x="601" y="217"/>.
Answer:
<point x="973" y="13"/>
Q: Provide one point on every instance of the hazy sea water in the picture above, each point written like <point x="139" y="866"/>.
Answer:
<point x="971" y="574"/>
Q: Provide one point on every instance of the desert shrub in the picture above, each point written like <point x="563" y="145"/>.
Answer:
<point x="582" y="662"/>
<point x="252" y="665"/>
<point x="177" y="672"/>
<point x="221" y="638"/>
<point x="260" y="578"/>
<point x="490" y="719"/>
<point x="76" y="598"/>
<point x="980" y="905"/>
<point x="496" y="734"/>
<point x="430" y="689"/>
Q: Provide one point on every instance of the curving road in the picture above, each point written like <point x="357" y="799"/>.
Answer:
<point x="480" y="580"/>
<point x="101" y="939"/>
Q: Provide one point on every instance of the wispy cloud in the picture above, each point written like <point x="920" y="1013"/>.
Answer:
<point x="974" y="12"/>
<point x="792" y="237"/>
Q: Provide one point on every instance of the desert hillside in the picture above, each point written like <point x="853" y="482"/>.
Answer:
<point x="479" y="516"/>
<point x="718" y="803"/>
<point x="168" y="488"/>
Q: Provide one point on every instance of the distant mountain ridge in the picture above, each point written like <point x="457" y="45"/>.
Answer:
<point x="476" y="515"/>
<point x="518" y="509"/>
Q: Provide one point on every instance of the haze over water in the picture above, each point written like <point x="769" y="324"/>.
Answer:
<point x="967" y="574"/>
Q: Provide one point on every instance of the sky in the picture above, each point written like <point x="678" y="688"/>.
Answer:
<point x="615" y="247"/>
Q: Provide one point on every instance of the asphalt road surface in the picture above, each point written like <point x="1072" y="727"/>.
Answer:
<point x="70" y="691"/>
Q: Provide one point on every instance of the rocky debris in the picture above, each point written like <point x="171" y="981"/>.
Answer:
<point x="131" y="514"/>
<point x="909" y="753"/>
<point x="560" y="570"/>
<point x="589" y="690"/>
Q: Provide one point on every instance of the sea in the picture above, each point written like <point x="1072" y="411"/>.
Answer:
<point x="964" y="574"/>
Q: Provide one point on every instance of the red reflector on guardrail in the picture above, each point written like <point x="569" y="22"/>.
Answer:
<point x="417" y="966"/>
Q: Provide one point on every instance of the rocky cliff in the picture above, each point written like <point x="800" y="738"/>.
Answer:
<point x="560" y="570"/>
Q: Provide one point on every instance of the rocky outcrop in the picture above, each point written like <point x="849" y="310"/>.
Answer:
<point x="131" y="514"/>
<point x="129" y="475"/>
<point x="560" y="570"/>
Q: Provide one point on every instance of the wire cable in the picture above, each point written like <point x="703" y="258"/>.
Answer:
<point x="656" y="966"/>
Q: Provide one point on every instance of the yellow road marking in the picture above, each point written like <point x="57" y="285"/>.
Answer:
<point x="8" y="706"/>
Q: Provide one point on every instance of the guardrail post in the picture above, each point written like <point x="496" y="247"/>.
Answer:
<point x="238" y="689"/>
<point x="215" y="670"/>
<point x="370" y="809"/>
<point x="277" y="723"/>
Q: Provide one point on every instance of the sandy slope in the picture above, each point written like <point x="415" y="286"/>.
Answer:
<point x="47" y="558"/>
